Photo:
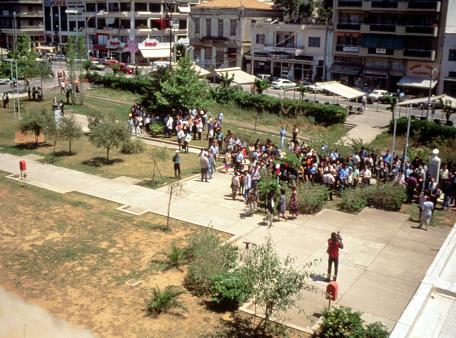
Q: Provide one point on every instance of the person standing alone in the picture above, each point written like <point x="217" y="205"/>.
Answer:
<point x="177" y="169"/>
<point x="334" y="244"/>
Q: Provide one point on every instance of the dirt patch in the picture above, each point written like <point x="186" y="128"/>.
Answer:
<point x="27" y="138"/>
<point x="74" y="262"/>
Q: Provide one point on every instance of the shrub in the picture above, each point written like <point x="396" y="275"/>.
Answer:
<point x="342" y="322"/>
<point x="353" y="200"/>
<point x="385" y="196"/>
<point x="423" y="131"/>
<point x="175" y="257"/>
<point x="208" y="256"/>
<point x="267" y="185"/>
<point x="132" y="147"/>
<point x="156" y="128"/>
<point x="164" y="301"/>
<point x="229" y="289"/>
<point x="376" y="330"/>
<point x="311" y="197"/>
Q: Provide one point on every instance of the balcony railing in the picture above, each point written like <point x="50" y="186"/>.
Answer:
<point x="420" y="53"/>
<point x="420" y="4"/>
<point x="350" y="3"/>
<point x="349" y="26"/>
<point x="383" y="28"/>
<point x="347" y="49"/>
<point x="384" y="4"/>
<point x="419" y="29"/>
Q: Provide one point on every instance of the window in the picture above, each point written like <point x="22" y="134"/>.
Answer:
<point x="208" y="27"/>
<point x="182" y="24"/>
<point x="141" y="7"/>
<point x="90" y="7"/>
<point x="259" y="39"/>
<point x="220" y="27"/>
<point x="233" y="26"/>
<point x="154" y="8"/>
<point x="452" y="74"/>
<point x="125" y="6"/>
<point x="452" y="55"/>
<point x="314" y="41"/>
<point x="197" y="25"/>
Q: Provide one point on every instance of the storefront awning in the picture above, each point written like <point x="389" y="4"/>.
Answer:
<point x="156" y="53"/>
<point x="446" y="99"/>
<point x="416" y="82"/>
<point x="240" y="77"/>
<point x="340" y="89"/>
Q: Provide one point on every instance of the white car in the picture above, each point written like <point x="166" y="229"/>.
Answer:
<point x="314" y="88"/>
<point x="376" y="94"/>
<point x="282" y="83"/>
<point x="4" y="81"/>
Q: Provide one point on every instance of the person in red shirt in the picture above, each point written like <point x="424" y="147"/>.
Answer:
<point x="334" y="244"/>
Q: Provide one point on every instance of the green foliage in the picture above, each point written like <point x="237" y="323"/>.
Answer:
<point x="156" y="128"/>
<point x="208" y="256"/>
<point x="311" y="197"/>
<point x="353" y="200"/>
<point x="423" y="131"/>
<point x="293" y="160"/>
<point x="302" y="89"/>
<point x="296" y="11"/>
<point x="25" y="57"/>
<point x="266" y="186"/>
<point x="385" y="196"/>
<point x="274" y="282"/>
<point x="116" y="69"/>
<point x="164" y="300"/>
<point x="175" y="257"/>
<point x="41" y="70"/>
<point x="261" y="85"/>
<point x="132" y="146"/>
<point x="51" y="130"/>
<point x="229" y="289"/>
<point x="376" y="330"/>
<point x="137" y="84"/>
<point x="108" y="134"/>
<point x="341" y="321"/>
<point x="183" y="90"/>
<point x="33" y="122"/>
<point x="69" y="129"/>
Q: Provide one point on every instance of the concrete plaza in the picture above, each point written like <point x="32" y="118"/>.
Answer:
<point x="382" y="264"/>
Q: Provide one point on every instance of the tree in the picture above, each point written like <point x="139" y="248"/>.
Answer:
<point x="342" y="322"/>
<point x="392" y="101"/>
<point x="108" y="134"/>
<point x="174" y="189"/>
<point x="75" y="50"/>
<point x="448" y="109"/>
<point x="33" y="122"/>
<point x="183" y="89"/>
<point x="25" y="57"/>
<point x="51" y="130"/>
<point x="41" y="70"/>
<point x="261" y="86"/>
<point x="296" y="11"/>
<point x="69" y="129"/>
<point x="274" y="283"/>
<point x="302" y="89"/>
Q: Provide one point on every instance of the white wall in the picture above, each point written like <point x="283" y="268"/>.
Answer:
<point x="449" y="42"/>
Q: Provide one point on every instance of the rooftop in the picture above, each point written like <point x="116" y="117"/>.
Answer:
<point x="250" y="4"/>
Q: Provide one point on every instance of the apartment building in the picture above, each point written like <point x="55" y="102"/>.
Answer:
<point x="290" y="50"/>
<point x="20" y="17"/>
<point x="383" y="43"/>
<point x="447" y="73"/>
<point x="220" y="30"/>
<point x="115" y="28"/>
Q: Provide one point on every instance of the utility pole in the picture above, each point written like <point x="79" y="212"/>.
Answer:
<point x="14" y="32"/>
<point x="431" y="77"/>
<point x="326" y="46"/>
<point x="406" y="142"/>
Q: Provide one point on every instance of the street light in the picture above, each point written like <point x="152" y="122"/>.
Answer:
<point x="14" y="31"/>
<point x="431" y="77"/>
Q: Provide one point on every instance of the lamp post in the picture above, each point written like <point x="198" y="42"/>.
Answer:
<point x="431" y="77"/>
<point x="14" y="32"/>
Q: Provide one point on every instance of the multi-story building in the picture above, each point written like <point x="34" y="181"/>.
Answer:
<point x="20" y="17"/>
<point x="290" y="50"/>
<point x="220" y="30"/>
<point x="380" y="43"/>
<point x="110" y="26"/>
<point x="447" y="78"/>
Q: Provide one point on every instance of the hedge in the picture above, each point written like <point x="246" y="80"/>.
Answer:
<point x="424" y="130"/>
<point x="382" y="196"/>
<point x="136" y="84"/>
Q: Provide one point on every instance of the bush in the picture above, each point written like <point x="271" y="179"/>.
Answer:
<point x="341" y="321"/>
<point x="132" y="147"/>
<point x="376" y="330"/>
<point x="156" y="128"/>
<point x="311" y="197"/>
<point x="229" y="289"/>
<point x="266" y="186"/>
<point x="423" y="131"/>
<point x="164" y="301"/>
<point x="385" y="196"/>
<point x="353" y="200"/>
<point x="175" y="257"/>
<point x="208" y="256"/>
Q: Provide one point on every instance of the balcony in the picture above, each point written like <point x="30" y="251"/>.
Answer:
<point x="422" y="30"/>
<point x="380" y="51"/>
<point x="387" y="28"/>
<point x="349" y="26"/>
<point x="350" y="49"/>
<point x="420" y="54"/>
<point x="350" y="3"/>
<point x="420" y="5"/>
<point x="384" y="4"/>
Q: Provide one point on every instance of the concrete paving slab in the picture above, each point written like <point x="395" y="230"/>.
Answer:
<point x="376" y="216"/>
<point x="379" y="233"/>
<point x="33" y="157"/>
<point x="358" y="252"/>
<point x="128" y="180"/>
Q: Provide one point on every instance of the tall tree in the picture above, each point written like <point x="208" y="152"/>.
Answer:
<point x="296" y="11"/>
<point x="42" y="70"/>
<point x="24" y="56"/>
<point x="75" y="51"/>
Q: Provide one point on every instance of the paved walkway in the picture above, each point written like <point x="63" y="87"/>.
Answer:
<point x="382" y="265"/>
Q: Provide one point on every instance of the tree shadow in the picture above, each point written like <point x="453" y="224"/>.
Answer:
<point x="101" y="161"/>
<point x="241" y="327"/>
<point x="63" y="153"/>
<point x="32" y="145"/>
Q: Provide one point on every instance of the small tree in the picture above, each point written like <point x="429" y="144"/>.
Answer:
<point x="261" y="86"/>
<point x="33" y="122"/>
<point x="342" y="322"/>
<point x="175" y="189"/>
<point x="392" y="101"/>
<point x="274" y="283"/>
<point x="108" y="134"/>
<point x="41" y="70"/>
<point x="51" y="130"/>
<point x="70" y="129"/>
<point x="302" y="89"/>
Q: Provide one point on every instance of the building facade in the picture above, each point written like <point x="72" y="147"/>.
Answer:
<point x="379" y="43"/>
<point x="111" y="27"/>
<point x="290" y="50"/>
<point x="20" y="17"/>
<point x="220" y="30"/>
<point x="447" y="78"/>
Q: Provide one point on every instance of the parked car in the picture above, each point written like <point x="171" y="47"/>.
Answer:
<point x="376" y="94"/>
<point x="385" y="98"/>
<point x="282" y="84"/>
<point x="110" y="63"/>
<point x="97" y="66"/>
<point x="4" y="81"/>
<point x="265" y="77"/>
<point x="126" y="69"/>
<point x="312" y="88"/>
<point x="58" y="57"/>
